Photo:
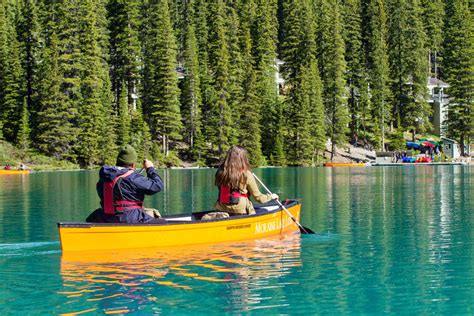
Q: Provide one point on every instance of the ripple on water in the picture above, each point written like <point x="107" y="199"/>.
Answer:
<point x="29" y="249"/>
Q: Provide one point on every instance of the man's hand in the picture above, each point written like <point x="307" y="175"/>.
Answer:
<point x="147" y="164"/>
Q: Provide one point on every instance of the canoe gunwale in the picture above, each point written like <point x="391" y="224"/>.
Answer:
<point x="171" y="222"/>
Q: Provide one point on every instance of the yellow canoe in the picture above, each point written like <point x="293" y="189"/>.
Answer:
<point x="180" y="230"/>
<point x="14" y="172"/>
<point x="345" y="165"/>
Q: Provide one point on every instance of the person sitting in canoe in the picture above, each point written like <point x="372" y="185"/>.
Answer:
<point x="122" y="190"/>
<point x="236" y="184"/>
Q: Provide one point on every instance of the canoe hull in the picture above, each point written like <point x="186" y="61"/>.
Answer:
<point x="91" y="237"/>
<point x="9" y="172"/>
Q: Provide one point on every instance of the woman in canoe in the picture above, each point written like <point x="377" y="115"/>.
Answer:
<point x="236" y="184"/>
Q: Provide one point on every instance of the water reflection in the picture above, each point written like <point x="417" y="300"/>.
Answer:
<point x="398" y="239"/>
<point x="237" y="274"/>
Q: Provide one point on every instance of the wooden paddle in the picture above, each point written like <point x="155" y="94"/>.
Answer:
<point x="303" y="230"/>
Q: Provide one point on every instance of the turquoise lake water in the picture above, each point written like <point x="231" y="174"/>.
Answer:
<point x="389" y="240"/>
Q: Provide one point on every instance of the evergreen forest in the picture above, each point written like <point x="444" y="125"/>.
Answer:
<point x="183" y="80"/>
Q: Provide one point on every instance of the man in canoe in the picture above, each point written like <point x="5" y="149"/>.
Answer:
<point x="236" y="184"/>
<point x="122" y="190"/>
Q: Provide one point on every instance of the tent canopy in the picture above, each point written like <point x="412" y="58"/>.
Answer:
<point x="413" y="145"/>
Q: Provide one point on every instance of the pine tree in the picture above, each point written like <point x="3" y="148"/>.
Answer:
<point x="305" y="124"/>
<point x="333" y="66"/>
<point x="106" y="112"/>
<point x="23" y="139"/>
<point x="64" y="47"/>
<point x="125" y="50"/>
<point x="30" y="42"/>
<point x="162" y="82"/>
<point x="220" y="123"/>
<point x="107" y="134"/>
<point x="191" y="93"/>
<point x="11" y="74"/>
<point x="124" y="120"/>
<point x="408" y="64"/>
<point x="433" y="16"/>
<point x="265" y="33"/>
<point x="90" y="107"/>
<point x="208" y="96"/>
<point x="56" y="131"/>
<point x="316" y="111"/>
<point x="378" y="69"/>
<point x="354" y="55"/>
<point x="140" y="134"/>
<point x="249" y="125"/>
<point x="237" y="66"/>
<point x="458" y="70"/>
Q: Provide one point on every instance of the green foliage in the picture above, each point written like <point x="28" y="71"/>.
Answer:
<point x="249" y="124"/>
<point x="13" y="156"/>
<point x="220" y="128"/>
<point x="140" y="134"/>
<point x="56" y="132"/>
<point x="433" y="21"/>
<point x="305" y="136"/>
<point x="23" y="139"/>
<point x="99" y="73"/>
<point x="11" y="72"/>
<point x="238" y="44"/>
<point x="459" y="70"/>
<point x="91" y="85"/>
<point x="191" y="93"/>
<point x="354" y="56"/>
<point x="408" y="64"/>
<point x="264" y="30"/>
<point x="125" y="48"/>
<point x="333" y="67"/>
<point x="30" y="46"/>
<point x="378" y="70"/>
<point x="397" y="140"/>
<point x="124" y="120"/>
<point x="162" y="80"/>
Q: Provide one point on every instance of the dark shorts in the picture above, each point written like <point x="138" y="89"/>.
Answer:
<point x="133" y="216"/>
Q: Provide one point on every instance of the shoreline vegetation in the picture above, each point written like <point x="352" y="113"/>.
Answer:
<point x="183" y="81"/>
<point x="35" y="161"/>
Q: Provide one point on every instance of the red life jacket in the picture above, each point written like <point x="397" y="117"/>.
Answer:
<point x="228" y="196"/>
<point x="110" y="205"/>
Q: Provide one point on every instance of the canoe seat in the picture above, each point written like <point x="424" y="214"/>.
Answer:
<point x="180" y="219"/>
<point x="264" y="209"/>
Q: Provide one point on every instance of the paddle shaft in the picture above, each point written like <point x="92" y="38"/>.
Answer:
<point x="302" y="229"/>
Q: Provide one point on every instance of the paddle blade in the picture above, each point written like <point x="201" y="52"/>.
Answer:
<point x="306" y="230"/>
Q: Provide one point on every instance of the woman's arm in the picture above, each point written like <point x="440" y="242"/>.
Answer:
<point x="252" y="187"/>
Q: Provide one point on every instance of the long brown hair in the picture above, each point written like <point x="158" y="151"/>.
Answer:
<point x="232" y="169"/>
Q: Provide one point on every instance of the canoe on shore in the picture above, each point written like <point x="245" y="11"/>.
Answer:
<point x="180" y="230"/>
<point x="5" y="172"/>
<point x="344" y="165"/>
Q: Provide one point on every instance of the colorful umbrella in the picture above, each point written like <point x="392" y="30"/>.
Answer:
<point x="428" y="144"/>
